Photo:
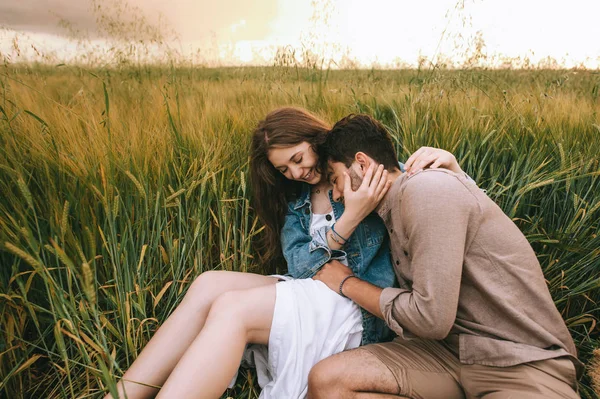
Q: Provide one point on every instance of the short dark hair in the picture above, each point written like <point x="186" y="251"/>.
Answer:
<point x="359" y="132"/>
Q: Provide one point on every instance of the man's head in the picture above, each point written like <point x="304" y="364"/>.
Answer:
<point x="352" y="145"/>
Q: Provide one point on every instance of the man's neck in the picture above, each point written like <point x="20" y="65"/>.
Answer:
<point x="392" y="176"/>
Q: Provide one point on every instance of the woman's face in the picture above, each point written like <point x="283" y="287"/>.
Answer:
<point x="298" y="162"/>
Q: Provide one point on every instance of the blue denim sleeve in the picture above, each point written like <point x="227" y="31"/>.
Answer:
<point x="303" y="253"/>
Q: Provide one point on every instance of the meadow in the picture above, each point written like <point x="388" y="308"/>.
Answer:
<point x="118" y="186"/>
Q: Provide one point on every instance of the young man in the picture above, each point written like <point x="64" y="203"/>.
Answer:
<point x="473" y="314"/>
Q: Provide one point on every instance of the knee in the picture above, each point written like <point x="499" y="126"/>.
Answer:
<point x="325" y="380"/>
<point x="228" y="305"/>
<point x="205" y="288"/>
<point x="205" y="281"/>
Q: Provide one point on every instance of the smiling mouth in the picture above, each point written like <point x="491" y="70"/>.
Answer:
<point x="309" y="175"/>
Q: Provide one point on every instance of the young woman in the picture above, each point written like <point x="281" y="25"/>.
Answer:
<point x="296" y="320"/>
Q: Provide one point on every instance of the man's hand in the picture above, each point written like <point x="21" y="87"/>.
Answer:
<point x="365" y="294"/>
<point x="332" y="274"/>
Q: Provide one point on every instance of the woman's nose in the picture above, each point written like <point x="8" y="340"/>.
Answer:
<point x="297" y="173"/>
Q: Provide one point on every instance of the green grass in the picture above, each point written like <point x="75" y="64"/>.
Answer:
<point x="120" y="186"/>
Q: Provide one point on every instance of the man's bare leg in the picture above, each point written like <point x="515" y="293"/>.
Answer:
<point x="167" y="346"/>
<point x="355" y="374"/>
<point x="416" y="368"/>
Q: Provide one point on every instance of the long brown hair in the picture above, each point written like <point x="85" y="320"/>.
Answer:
<point x="283" y="127"/>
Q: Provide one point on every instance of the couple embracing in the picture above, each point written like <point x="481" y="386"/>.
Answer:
<point x="401" y="283"/>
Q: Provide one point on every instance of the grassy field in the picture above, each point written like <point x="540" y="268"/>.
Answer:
<point x="120" y="186"/>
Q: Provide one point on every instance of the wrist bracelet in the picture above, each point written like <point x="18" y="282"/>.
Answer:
<point x="342" y="284"/>
<point x="338" y="234"/>
<point x="332" y="235"/>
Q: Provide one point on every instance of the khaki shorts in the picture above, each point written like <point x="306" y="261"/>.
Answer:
<point x="429" y="369"/>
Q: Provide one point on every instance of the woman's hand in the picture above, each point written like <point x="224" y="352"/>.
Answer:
<point x="433" y="158"/>
<point x="360" y="203"/>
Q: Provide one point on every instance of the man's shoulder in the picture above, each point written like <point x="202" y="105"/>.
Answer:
<point x="434" y="182"/>
<point x="439" y="194"/>
<point x="437" y="187"/>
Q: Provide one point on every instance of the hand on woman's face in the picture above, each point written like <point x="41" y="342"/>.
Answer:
<point x="298" y="162"/>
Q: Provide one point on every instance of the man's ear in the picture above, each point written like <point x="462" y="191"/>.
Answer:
<point x="363" y="160"/>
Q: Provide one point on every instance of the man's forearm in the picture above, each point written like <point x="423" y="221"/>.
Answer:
<point x="365" y="294"/>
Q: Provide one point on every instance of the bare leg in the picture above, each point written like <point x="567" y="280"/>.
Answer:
<point x="167" y="346"/>
<point x="235" y="319"/>
<point x="355" y="374"/>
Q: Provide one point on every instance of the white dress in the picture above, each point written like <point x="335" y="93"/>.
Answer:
<point x="310" y="323"/>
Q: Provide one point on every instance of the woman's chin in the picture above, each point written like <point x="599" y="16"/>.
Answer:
<point x="315" y="180"/>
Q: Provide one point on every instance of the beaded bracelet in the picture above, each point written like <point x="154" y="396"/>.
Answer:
<point x="338" y="234"/>
<point x="342" y="284"/>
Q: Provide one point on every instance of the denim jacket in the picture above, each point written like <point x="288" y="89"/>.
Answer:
<point x="367" y="252"/>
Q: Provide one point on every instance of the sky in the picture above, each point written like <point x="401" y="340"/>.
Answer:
<point x="383" y="33"/>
